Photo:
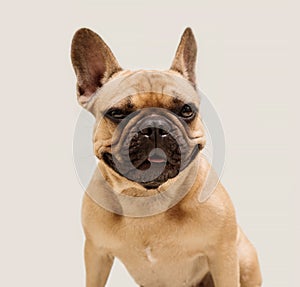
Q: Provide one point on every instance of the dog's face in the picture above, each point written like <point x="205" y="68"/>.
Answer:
<point x="148" y="127"/>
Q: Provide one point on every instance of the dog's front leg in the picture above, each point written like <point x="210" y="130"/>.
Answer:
<point x="224" y="267"/>
<point x="97" y="264"/>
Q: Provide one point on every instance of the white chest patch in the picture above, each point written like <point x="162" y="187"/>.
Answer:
<point x="149" y="255"/>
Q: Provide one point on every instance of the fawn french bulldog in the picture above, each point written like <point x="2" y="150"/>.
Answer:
<point x="148" y="138"/>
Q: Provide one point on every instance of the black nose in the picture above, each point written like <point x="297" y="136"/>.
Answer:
<point x="160" y="132"/>
<point x="155" y="129"/>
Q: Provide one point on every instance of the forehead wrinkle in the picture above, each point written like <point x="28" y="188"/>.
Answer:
<point x="152" y="100"/>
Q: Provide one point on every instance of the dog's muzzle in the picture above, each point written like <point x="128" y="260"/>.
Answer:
<point x="152" y="146"/>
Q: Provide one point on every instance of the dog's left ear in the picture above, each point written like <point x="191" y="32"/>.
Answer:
<point x="185" y="58"/>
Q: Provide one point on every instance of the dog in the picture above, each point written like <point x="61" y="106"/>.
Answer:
<point x="142" y="204"/>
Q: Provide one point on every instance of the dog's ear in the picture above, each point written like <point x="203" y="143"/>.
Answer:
<point x="185" y="58"/>
<point x="93" y="62"/>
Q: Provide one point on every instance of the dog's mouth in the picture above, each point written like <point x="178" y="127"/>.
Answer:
<point x="171" y="165"/>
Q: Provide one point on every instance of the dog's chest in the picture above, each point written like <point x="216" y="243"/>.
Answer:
<point x="156" y="237"/>
<point x="160" y="261"/>
<point x="161" y="250"/>
<point x="158" y="250"/>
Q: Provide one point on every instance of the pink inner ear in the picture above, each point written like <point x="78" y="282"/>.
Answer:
<point x="91" y="74"/>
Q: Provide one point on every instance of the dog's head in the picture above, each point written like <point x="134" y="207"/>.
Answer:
<point x="148" y="127"/>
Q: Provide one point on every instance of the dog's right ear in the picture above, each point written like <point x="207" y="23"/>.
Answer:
<point x="185" y="58"/>
<point x="93" y="62"/>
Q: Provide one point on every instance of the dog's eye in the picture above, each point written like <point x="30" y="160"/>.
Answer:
<point x="186" y="111"/>
<point x="116" y="114"/>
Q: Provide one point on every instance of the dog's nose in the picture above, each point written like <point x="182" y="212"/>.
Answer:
<point x="155" y="128"/>
<point x="154" y="131"/>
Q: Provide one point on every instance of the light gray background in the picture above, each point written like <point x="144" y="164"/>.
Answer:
<point x="248" y="65"/>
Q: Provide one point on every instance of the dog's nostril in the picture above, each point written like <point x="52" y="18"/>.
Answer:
<point x="146" y="131"/>
<point x="162" y="132"/>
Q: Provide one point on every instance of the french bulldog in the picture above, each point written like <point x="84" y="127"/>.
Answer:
<point x="142" y="204"/>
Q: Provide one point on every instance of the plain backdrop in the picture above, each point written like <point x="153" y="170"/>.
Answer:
<point x="248" y="66"/>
